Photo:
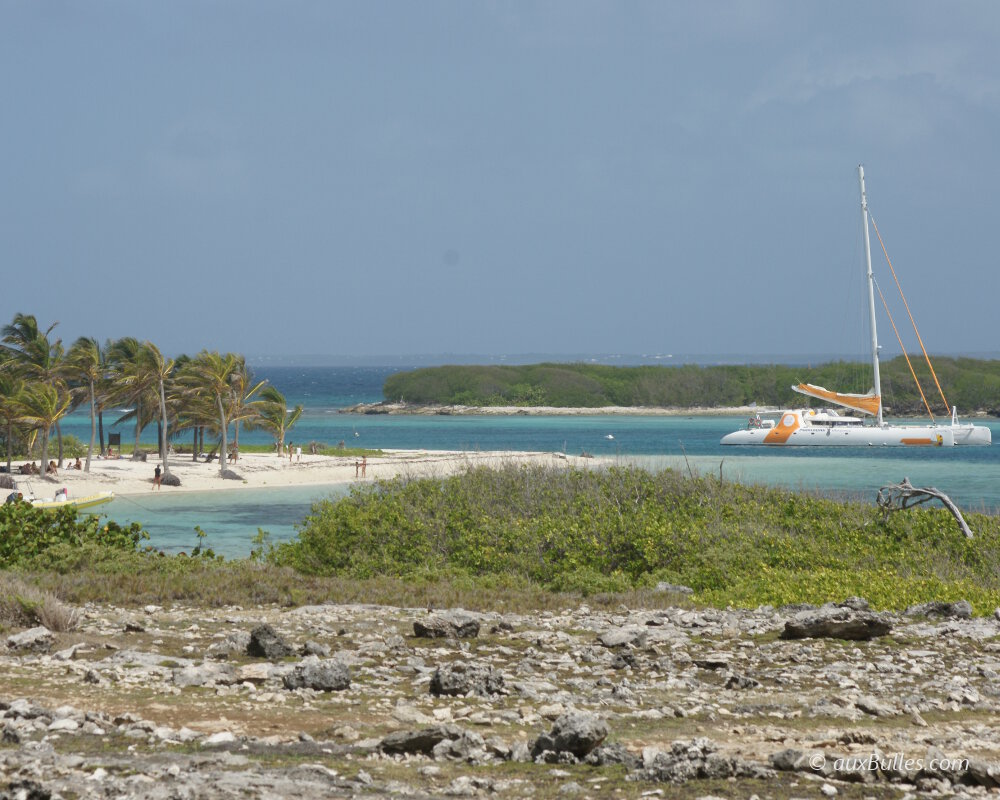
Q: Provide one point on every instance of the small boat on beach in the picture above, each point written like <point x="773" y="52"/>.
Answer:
<point x="61" y="499"/>
<point x="827" y="427"/>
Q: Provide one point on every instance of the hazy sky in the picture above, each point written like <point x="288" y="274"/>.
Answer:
<point x="355" y="178"/>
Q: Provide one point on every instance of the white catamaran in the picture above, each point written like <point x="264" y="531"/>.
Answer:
<point x="826" y="427"/>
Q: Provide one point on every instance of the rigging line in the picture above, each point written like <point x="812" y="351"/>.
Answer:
<point x="913" y="322"/>
<point x="134" y="502"/>
<point x="901" y="347"/>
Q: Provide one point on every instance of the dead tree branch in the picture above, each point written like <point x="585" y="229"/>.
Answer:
<point x="900" y="496"/>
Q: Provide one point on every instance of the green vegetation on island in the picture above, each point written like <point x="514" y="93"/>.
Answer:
<point x="971" y="384"/>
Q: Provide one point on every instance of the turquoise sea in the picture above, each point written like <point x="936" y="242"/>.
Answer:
<point x="971" y="476"/>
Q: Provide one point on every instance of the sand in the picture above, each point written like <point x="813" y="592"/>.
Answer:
<point x="126" y="477"/>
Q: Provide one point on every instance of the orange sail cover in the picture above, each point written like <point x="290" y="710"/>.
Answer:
<point x="866" y="403"/>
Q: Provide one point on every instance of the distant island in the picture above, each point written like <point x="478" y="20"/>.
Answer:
<point x="971" y="384"/>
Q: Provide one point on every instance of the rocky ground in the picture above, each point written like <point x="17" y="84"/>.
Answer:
<point x="366" y="701"/>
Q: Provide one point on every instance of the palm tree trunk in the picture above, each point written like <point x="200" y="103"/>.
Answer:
<point x="138" y="430"/>
<point x="194" y="444"/>
<point x="100" y="427"/>
<point x="93" y="428"/>
<point x="164" y="446"/>
<point x="43" y="472"/>
<point x="59" y="443"/>
<point x="222" y="446"/>
<point x="10" y="445"/>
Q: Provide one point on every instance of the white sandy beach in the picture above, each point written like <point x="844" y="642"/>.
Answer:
<point x="126" y="477"/>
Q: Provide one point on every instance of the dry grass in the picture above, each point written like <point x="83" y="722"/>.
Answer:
<point x="23" y="605"/>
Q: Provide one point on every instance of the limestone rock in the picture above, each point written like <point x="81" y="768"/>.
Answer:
<point x="576" y="733"/>
<point x="266" y="643"/>
<point x="457" y="624"/>
<point x="836" y="623"/>
<point x="328" y="675"/>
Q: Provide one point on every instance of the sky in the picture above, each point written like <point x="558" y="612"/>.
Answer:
<point x="356" y="179"/>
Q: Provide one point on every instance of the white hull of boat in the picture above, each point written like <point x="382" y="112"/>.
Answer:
<point x="797" y="428"/>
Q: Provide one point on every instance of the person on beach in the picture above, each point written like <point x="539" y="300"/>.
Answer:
<point x="157" y="474"/>
<point x="298" y="454"/>
<point x="357" y="466"/>
<point x="289" y="453"/>
<point x="51" y="469"/>
<point x="364" y="465"/>
<point x="78" y="465"/>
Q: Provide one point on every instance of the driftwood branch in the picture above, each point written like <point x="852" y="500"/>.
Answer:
<point x="899" y="496"/>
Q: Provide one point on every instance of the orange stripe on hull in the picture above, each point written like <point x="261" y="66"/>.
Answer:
<point x="786" y="427"/>
<point x="938" y="441"/>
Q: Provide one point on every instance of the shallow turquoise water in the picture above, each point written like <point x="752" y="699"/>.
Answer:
<point x="230" y="520"/>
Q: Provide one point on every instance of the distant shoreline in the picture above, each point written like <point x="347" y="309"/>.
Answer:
<point x="554" y="411"/>
<point x="433" y="409"/>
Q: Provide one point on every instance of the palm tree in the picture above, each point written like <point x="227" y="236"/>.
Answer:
<point x="272" y="414"/>
<point x="162" y="369"/>
<point x="42" y="406"/>
<point x="84" y="363"/>
<point x="11" y="410"/>
<point x="36" y="358"/>
<point x="241" y="408"/>
<point x="135" y="382"/>
<point x="214" y="374"/>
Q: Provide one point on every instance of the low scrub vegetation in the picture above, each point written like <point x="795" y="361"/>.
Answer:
<point x="27" y="532"/>
<point x="522" y="538"/>
<point x="625" y="529"/>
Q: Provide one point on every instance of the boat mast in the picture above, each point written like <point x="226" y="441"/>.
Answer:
<point x="871" y="293"/>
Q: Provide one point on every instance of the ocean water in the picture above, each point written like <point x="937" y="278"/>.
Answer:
<point x="971" y="476"/>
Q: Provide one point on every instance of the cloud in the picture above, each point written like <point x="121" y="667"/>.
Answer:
<point x="197" y="158"/>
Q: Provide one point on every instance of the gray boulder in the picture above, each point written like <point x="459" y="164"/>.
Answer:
<point x="266" y="643"/>
<point x="698" y="759"/>
<point x="937" y="608"/>
<point x="419" y="741"/>
<point x="323" y="676"/>
<point x="207" y="674"/>
<point x="459" y="679"/>
<point x="576" y="733"/>
<point x="456" y="624"/>
<point x="33" y="640"/>
<point x="836" y="623"/>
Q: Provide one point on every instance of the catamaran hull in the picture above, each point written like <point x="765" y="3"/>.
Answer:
<point x="889" y="436"/>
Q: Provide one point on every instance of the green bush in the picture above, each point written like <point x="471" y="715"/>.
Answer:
<point x="27" y="532"/>
<point x="594" y="531"/>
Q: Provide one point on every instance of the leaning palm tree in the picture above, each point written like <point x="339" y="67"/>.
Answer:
<point x="272" y="415"/>
<point x="213" y="375"/>
<point x="162" y="368"/>
<point x="241" y="407"/>
<point x="42" y="406"/>
<point x="134" y="383"/>
<point x="84" y="365"/>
